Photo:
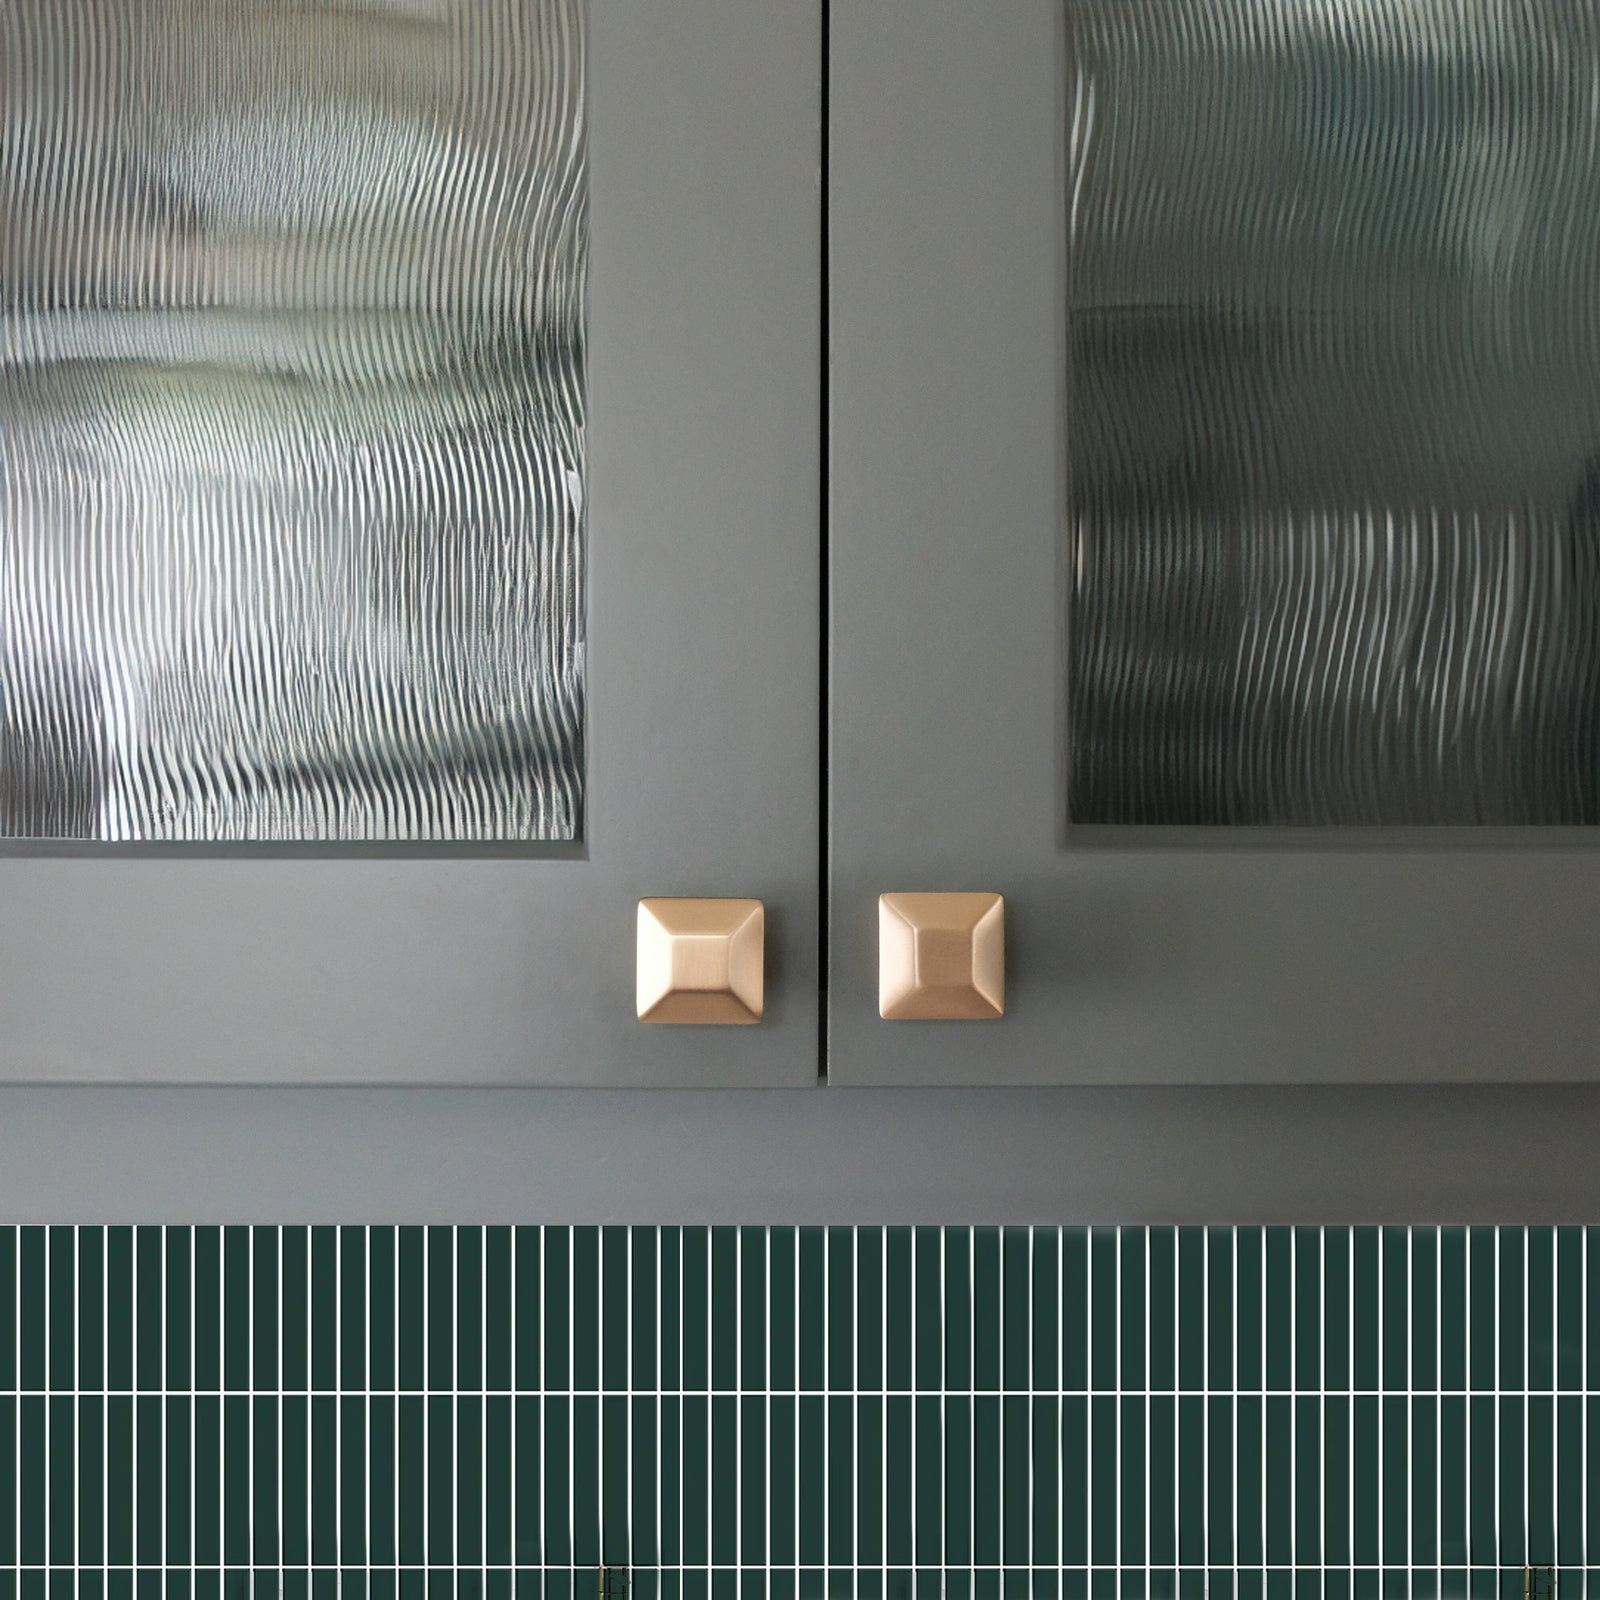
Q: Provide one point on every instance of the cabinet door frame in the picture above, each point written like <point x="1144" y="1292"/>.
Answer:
<point x="514" y="965"/>
<point x="1134" y="955"/>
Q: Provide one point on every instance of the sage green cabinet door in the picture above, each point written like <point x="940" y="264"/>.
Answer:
<point x="1215" y="536"/>
<point x="409" y="538"/>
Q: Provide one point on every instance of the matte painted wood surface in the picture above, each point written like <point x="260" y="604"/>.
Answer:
<point x="1131" y="957"/>
<point x="515" y="966"/>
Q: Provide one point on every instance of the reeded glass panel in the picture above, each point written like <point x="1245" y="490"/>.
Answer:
<point x="291" y="419"/>
<point x="1334" y="431"/>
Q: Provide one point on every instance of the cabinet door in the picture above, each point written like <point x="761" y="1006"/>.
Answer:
<point x="409" y="555"/>
<point x="1215" y="535"/>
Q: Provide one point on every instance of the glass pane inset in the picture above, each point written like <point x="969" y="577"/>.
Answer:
<point x="292" y="419"/>
<point x="1334" y="416"/>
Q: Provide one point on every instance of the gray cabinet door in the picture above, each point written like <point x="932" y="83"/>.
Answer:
<point x="445" y="955"/>
<point x="1213" y="539"/>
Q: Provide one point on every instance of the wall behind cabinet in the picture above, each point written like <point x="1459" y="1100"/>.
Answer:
<point x="779" y="1413"/>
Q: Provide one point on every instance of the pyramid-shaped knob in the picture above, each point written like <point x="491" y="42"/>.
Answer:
<point x="701" y="960"/>
<point x="941" y="957"/>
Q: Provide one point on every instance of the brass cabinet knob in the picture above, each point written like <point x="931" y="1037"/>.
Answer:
<point x="701" y="960"/>
<point x="941" y="957"/>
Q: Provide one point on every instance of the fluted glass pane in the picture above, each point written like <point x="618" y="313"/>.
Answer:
<point x="1334" y="431"/>
<point x="291" y="419"/>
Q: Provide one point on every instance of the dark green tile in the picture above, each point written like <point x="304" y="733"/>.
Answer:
<point x="1016" y="1321"/>
<point x="840" y="1269"/>
<point x="1569" y="1509"/>
<point x="1539" y="1316"/>
<point x="1220" y="1448"/>
<point x="724" y="1324"/>
<point x="1103" y="1309"/>
<point x="32" y="1307"/>
<point x="1336" y="1471"/>
<point x="324" y="1308"/>
<point x="783" y="1479"/>
<point x="1481" y="1517"/>
<point x="294" y="1453"/>
<point x="928" y="1280"/>
<point x="1364" y="1449"/>
<point x="1163" y="1530"/>
<point x="1074" y="1308"/>
<point x="1423" y="1452"/>
<point x="1191" y="1480"/>
<point x="1191" y="1333"/>
<point x="1336" y="1264"/>
<point x="899" y="1302"/>
<point x="670" y="1424"/>
<point x="959" y="1479"/>
<point x="1134" y="1351"/>
<point x="1513" y="1456"/>
<point x="1308" y="1322"/>
<point x="1394" y="1413"/>
<point x="1135" y="1467"/>
<point x="294" y="1308"/>
<point x="812" y="1316"/>
<point x="839" y="1452"/>
<point x="468" y="1466"/>
<point x="1308" y="1496"/>
<point x="783" y="1267"/>
<point x="1513" y="1308"/>
<point x="695" y="1484"/>
<point x="1540" y="1487"/>
<point x="986" y="1505"/>
<point x="725" y="1478"/>
<point x="753" y="1480"/>
<point x="1074" y="1480"/>
<point x="642" y="1483"/>
<point x="1364" y="1309"/>
<point x="813" y="1477"/>
<point x="1249" y="1446"/>
<point x="1453" y="1481"/>
<point x="528" y="1307"/>
<point x="1103" y="1478"/>
<point x="1221" y="1321"/>
<point x="753" y="1308"/>
<point x="868" y="1292"/>
<point x="1045" y="1470"/>
<point x="928" y="1477"/>
<point x="469" y="1310"/>
<point x="89" y="1511"/>
<point x="1015" y="1453"/>
<point x="1569" y="1308"/>
<point x="1046" y="1291"/>
<point x="60" y="1476"/>
<point x="1394" y="1250"/>
<point x="644" y="1306"/>
<point x="1279" y="1475"/>
<point x="584" y="1510"/>
<point x="63" y="1274"/>
<point x="555" y="1475"/>
<point x="1278" y="1277"/>
<point x="439" y="1271"/>
<point x="556" y="1307"/>
<point x="1453" y="1309"/>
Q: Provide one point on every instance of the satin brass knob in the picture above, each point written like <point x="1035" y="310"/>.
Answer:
<point x="941" y="957"/>
<point x="701" y="960"/>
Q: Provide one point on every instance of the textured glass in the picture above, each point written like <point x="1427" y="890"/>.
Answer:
<point x="291" y="418"/>
<point x="1334" y="411"/>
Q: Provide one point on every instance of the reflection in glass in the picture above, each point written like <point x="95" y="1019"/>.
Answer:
<point x="291" y="419"/>
<point x="1334" y="411"/>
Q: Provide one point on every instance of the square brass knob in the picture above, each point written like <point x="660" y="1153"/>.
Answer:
<point x="941" y="957"/>
<point x="701" y="960"/>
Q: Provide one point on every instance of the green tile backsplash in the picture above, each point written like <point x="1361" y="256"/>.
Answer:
<point x="780" y="1413"/>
